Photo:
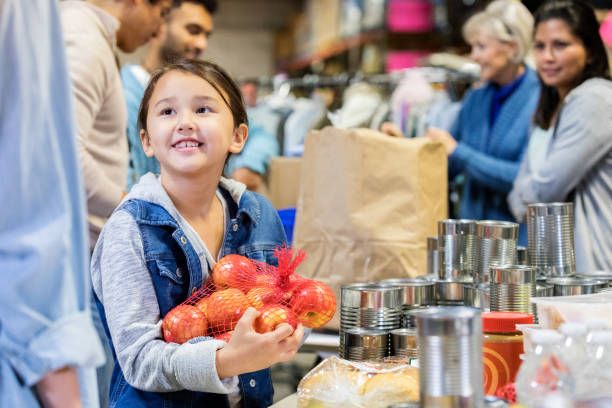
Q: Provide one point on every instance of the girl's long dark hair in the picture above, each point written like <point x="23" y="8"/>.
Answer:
<point x="582" y="22"/>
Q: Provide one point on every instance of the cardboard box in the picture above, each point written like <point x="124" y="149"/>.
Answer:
<point x="284" y="181"/>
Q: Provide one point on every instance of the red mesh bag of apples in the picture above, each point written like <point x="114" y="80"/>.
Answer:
<point x="237" y="283"/>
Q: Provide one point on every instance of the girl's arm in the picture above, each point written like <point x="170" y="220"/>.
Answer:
<point x="124" y="285"/>
<point x="582" y="138"/>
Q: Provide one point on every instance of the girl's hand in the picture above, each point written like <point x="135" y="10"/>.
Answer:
<point x="442" y="136"/>
<point x="249" y="351"/>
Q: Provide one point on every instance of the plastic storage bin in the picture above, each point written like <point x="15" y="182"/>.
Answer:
<point x="287" y="216"/>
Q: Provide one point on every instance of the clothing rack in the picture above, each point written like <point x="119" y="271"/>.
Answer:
<point x="453" y="78"/>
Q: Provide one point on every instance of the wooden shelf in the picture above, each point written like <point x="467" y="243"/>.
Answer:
<point x="333" y="49"/>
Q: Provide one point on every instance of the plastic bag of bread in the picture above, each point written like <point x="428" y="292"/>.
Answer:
<point x="340" y="383"/>
<point x="553" y="311"/>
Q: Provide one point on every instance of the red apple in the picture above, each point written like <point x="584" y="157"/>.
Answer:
<point x="258" y="297"/>
<point x="234" y="271"/>
<point x="314" y="303"/>
<point x="202" y="305"/>
<point x="273" y="315"/>
<point x="225" y="336"/>
<point x="293" y="281"/>
<point x="183" y="323"/>
<point x="224" y="308"/>
<point x="265" y="280"/>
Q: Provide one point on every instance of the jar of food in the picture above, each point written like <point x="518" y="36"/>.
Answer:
<point x="502" y="345"/>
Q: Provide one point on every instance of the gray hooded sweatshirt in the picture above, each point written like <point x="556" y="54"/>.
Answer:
<point x="124" y="285"/>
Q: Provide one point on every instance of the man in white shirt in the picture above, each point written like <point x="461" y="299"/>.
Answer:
<point x="93" y="30"/>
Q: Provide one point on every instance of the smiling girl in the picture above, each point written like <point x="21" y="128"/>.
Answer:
<point x="161" y="243"/>
<point x="570" y="152"/>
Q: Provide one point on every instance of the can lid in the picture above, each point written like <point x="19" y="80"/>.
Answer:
<point x="504" y="322"/>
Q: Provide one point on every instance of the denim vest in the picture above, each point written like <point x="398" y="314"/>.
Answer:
<point x="253" y="231"/>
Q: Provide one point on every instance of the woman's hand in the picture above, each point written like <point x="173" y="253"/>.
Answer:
<point x="249" y="351"/>
<point x="390" y="129"/>
<point x="442" y="136"/>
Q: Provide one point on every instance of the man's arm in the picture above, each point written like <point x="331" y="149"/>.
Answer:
<point x="86" y="67"/>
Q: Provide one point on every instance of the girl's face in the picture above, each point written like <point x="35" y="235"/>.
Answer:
<point x="190" y="128"/>
<point x="560" y="56"/>
<point x="493" y="56"/>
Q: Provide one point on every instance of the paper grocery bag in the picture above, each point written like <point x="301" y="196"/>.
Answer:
<point x="366" y="206"/>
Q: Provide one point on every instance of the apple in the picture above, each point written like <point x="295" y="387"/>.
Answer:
<point x="266" y="280"/>
<point x="262" y="296"/>
<point x="183" y="323"/>
<point x="292" y="282"/>
<point x="314" y="303"/>
<point x="202" y="304"/>
<point x="224" y="308"/>
<point x="234" y="271"/>
<point x="225" y="336"/>
<point x="272" y="315"/>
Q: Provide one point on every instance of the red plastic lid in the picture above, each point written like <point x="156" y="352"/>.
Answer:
<point x="504" y="322"/>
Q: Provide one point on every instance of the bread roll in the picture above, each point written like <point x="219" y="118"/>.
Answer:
<point x="384" y="389"/>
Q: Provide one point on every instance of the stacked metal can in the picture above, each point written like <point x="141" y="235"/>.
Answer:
<point x="512" y="288"/>
<point x="568" y="286"/>
<point x="456" y="249"/>
<point x="544" y="289"/>
<point x="416" y="294"/>
<point x="404" y="343"/>
<point x="365" y="344"/>
<point x="450" y="293"/>
<point x="496" y="246"/>
<point x="550" y="232"/>
<point x="369" y="306"/>
<point x="450" y="357"/>
<point x="477" y="295"/>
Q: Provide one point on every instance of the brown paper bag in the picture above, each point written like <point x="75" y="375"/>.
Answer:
<point x="367" y="204"/>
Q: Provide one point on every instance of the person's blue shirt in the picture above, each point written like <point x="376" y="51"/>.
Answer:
<point x="491" y="146"/>
<point x="45" y="320"/>
<point x="135" y="79"/>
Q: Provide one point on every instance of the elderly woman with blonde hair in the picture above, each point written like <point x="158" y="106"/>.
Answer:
<point x="489" y="136"/>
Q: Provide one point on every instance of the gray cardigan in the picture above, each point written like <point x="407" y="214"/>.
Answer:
<point x="579" y="159"/>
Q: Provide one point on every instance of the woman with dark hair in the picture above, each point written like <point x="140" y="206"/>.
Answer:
<point x="570" y="150"/>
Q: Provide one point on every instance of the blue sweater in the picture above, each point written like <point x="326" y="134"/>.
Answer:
<point x="490" y="155"/>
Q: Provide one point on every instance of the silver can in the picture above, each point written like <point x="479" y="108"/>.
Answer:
<point x="512" y="288"/>
<point x="417" y="294"/>
<point x="366" y="344"/>
<point x="496" y="246"/>
<point x="450" y="293"/>
<point x="404" y="343"/>
<point x="550" y="233"/>
<point x="477" y="295"/>
<point x="455" y="248"/>
<point x="450" y="357"/>
<point x="369" y="306"/>
<point x="576" y="286"/>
